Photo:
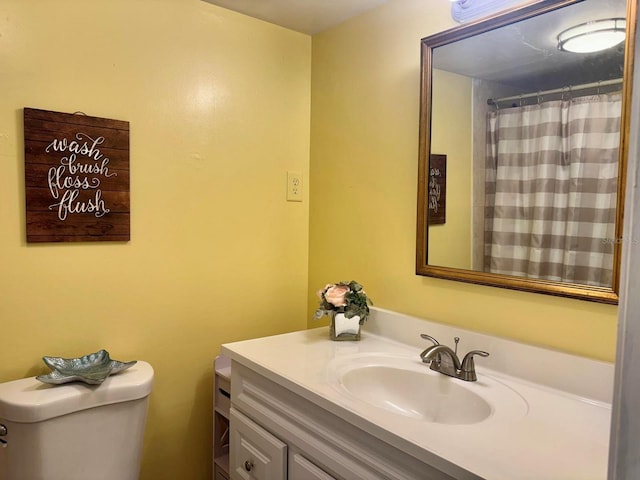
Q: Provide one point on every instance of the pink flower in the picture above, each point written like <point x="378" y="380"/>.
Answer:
<point x="335" y="295"/>
<point x="322" y="290"/>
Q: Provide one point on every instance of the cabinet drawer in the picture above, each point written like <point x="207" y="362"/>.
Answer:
<point x="302" y="469"/>
<point x="255" y="453"/>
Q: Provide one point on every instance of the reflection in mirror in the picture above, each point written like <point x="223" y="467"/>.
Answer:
<point x="534" y="137"/>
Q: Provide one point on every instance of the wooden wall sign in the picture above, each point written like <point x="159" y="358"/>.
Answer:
<point x="437" y="189"/>
<point x="76" y="177"/>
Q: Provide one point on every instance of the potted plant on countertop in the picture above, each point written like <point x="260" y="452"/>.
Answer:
<point x="347" y="305"/>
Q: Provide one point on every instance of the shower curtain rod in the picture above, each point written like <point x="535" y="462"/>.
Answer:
<point x="567" y="89"/>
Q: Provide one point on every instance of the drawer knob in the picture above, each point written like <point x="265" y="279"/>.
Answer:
<point x="248" y="466"/>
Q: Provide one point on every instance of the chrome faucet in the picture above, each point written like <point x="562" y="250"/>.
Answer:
<point x="444" y="360"/>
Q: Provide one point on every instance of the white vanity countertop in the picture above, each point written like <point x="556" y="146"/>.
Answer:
<point x="562" y="436"/>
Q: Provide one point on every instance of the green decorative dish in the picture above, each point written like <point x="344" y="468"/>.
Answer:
<point x="93" y="368"/>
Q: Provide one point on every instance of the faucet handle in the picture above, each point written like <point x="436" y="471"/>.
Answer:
<point x="468" y="367"/>
<point x="435" y="342"/>
<point x="430" y="338"/>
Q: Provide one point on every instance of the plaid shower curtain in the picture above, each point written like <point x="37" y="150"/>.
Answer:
<point x="551" y="183"/>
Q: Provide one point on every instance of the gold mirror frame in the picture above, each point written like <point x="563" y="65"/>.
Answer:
<point x="571" y="290"/>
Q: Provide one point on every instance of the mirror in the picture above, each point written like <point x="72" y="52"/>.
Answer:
<point x="523" y="148"/>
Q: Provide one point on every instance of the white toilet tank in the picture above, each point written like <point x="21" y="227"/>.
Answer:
<point x="75" y="431"/>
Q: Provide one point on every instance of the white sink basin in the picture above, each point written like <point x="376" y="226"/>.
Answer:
<point x="407" y="392"/>
<point x="406" y="386"/>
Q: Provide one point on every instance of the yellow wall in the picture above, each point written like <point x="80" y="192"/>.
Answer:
<point x="364" y="150"/>
<point x="219" y="107"/>
<point x="451" y="134"/>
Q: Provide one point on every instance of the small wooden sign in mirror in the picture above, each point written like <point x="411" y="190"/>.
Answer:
<point x="437" y="189"/>
<point x="76" y="177"/>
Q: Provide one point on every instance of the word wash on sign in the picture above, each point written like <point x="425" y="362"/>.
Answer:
<point x="72" y="175"/>
<point x="76" y="177"/>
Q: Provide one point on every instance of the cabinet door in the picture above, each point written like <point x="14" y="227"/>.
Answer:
<point x="302" y="469"/>
<point x="255" y="453"/>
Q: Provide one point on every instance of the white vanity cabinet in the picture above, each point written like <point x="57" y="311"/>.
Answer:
<point x="294" y="389"/>
<point x="277" y="434"/>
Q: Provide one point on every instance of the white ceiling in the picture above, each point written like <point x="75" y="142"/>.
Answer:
<point x="525" y="54"/>
<point x="306" y="16"/>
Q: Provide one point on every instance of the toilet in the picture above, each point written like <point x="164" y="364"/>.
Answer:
<point x="74" y="431"/>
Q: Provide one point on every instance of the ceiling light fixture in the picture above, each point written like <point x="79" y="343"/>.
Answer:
<point x="593" y="36"/>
